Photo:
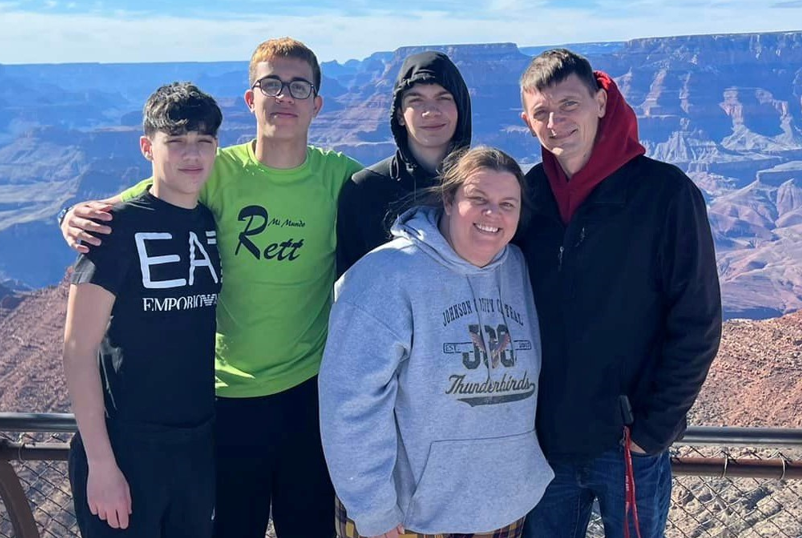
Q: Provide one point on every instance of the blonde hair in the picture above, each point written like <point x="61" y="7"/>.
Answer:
<point x="284" y="47"/>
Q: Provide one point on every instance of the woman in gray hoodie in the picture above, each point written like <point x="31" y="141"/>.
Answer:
<point x="429" y="379"/>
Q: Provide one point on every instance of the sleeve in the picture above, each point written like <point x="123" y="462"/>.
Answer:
<point x="358" y="384"/>
<point x="132" y="192"/>
<point x="106" y="265"/>
<point x="690" y="286"/>
<point x="350" y="240"/>
<point x="352" y="167"/>
<point x="210" y="191"/>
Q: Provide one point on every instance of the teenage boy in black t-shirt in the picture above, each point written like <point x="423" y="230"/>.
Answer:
<point x="139" y="341"/>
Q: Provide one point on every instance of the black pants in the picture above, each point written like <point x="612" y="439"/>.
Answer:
<point x="269" y="453"/>
<point x="170" y="473"/>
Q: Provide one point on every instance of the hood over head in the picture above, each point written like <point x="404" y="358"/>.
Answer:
<point x="431" y="67"/>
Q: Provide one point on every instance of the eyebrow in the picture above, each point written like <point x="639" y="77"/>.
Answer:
<point x="414" y="93"/>
<point x="570" y="97"/>
<point x="187" y="133"/>
<point x="477" y="190"/>
<point x="293" y="79"/>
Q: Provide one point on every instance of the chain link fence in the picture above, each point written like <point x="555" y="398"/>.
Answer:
<point x="726" y="507"/>
<point x="48" y="490"/>
<point x="702" y="506"/>
<point x="730" y="507"/>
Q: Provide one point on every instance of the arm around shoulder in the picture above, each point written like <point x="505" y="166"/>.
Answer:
<point x="82" y="223"/>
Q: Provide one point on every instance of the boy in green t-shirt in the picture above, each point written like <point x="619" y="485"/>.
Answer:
<point x="275" y="201"/>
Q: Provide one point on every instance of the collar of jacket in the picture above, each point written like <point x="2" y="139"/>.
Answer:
<point x="611" y="191"/>
<point x="410" y="176"/>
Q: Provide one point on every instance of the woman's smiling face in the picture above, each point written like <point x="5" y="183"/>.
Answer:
<point x="483" y="216"/>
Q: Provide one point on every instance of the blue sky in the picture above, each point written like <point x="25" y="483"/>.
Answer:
<point x="56" y="31"/>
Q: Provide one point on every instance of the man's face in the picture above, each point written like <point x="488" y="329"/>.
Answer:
<point x="181" y="162"/>
<point x="283" y="116"/>
<point x="429" y="114"/>
<point x="565" y="118"/>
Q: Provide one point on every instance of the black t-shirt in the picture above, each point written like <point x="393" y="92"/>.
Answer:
<point x="157" y="357"/>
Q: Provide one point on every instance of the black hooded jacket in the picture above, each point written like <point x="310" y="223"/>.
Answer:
<point x="628" y="303"/>
<point x="373" y="197"/>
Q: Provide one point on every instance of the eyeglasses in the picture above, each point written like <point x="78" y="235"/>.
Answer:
<point x="271" y="86"/>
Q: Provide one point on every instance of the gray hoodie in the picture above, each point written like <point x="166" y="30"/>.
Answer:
<point x="428" y="387"/>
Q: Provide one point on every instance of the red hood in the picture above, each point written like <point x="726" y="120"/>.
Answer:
<point x="616" y="144"/>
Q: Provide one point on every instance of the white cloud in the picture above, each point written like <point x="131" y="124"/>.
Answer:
<point x="41" y="37"/>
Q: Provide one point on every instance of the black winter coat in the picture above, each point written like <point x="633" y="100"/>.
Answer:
<point x="629" y="304"/>
<point x="369" y="204"/>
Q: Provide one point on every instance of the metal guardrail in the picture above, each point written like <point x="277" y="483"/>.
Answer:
<point x="731" y="437"/>
<point x="724" y="480"/>
<point x="38" y="422"/>
<point x="694" y="435"/>
<point x="779" y="468"/>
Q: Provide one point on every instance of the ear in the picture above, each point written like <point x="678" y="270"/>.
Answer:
<point x="318" y="105"/>
<point x="399" y="117"/>
<point x="601" y="101"/>
<point x="526" y="121"/>
<point x="146" y="147"/>
<point x="249" y="99"/>
<point x="448" y="206"/>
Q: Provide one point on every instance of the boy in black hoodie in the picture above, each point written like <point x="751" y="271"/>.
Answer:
<point x="430" y="117"/>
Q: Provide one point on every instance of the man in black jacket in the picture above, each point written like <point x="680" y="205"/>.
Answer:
<point x="430" y="117"/>
<point x="623" y="269"/>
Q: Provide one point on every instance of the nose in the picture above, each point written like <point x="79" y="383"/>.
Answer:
<point x="284" y="93"/>
<point x="554" y="118"/>
<point x="192" y="151"/>
<point x="431" y="108"/>
<point x="491" y="209"/>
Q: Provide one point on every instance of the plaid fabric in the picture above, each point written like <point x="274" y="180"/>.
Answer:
<point x="347" y="529"/>
<point x="513" y="530"/>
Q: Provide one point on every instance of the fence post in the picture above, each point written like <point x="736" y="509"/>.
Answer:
<point x="13" y="497"/>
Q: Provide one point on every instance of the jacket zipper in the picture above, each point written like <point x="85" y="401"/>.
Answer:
<point x="562" y="248"/>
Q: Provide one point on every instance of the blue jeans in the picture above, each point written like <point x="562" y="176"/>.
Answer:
<point x="564" y="511"/>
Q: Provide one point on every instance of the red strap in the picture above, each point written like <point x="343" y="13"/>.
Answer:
<point x="631" y="502"/>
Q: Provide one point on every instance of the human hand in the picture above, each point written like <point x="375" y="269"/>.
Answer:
<point x="108" y="495"/>
<point x="636" y="449"/>
<point x="77" y="224"/>
<point x="395" y="533"/>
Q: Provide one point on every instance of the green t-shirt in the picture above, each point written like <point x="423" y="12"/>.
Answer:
<point x="276" y="237"/>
